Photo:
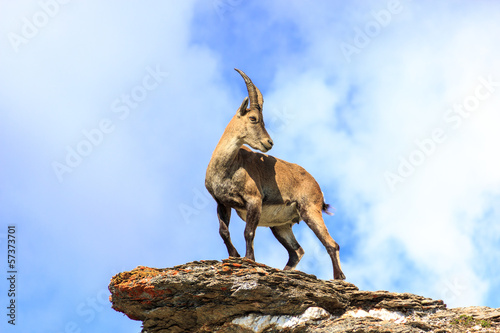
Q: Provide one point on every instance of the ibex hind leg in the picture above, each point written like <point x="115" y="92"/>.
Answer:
<point x="284" y="235"/>
<point x="314" y="220"/>
<point x="224" y="215"/>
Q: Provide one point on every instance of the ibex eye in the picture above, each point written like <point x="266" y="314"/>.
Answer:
<point x="252" y="119"/>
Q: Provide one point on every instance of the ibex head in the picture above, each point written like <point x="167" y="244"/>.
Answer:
<point x="250" y="123"/>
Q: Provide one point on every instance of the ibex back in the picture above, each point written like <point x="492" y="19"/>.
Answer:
<point x="264" y="191"/>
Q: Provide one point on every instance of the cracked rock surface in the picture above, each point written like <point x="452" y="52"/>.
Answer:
<point x="239" y="295"/>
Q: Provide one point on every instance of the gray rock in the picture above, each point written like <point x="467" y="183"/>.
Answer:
<point x="239" y="295"/>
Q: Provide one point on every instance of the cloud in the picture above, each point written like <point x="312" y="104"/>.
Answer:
<point x="401" y="92"/>
<point x="118" y="207"/>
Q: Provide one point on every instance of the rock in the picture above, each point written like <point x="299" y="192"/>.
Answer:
<point x="239" y="295"/>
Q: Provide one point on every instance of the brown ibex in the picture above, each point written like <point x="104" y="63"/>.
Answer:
<point x="264" y="191"/>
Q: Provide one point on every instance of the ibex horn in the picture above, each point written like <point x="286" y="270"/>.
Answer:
<point x="256" y="100"/>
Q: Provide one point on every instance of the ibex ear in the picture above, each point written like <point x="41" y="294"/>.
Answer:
<point x="243" y="107"/>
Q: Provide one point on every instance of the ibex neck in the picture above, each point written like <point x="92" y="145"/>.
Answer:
<point x="226" y="151"/>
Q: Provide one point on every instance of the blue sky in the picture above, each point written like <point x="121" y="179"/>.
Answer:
<point x="110" y="113"/>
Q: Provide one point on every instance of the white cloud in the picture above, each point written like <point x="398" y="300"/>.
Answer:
<point x="404" y="86"/>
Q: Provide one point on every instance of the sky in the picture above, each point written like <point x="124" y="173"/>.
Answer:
<point x="109" y="113"/>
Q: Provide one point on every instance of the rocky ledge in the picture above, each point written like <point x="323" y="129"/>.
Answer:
<point x="239" y="295"/>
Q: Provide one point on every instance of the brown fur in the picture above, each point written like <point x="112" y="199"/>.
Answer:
<point x="264" y="190"/>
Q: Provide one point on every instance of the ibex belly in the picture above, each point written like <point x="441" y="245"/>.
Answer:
<point x="274" y="215"/>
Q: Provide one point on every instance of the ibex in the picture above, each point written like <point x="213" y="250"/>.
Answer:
<point x="264" y="191"/>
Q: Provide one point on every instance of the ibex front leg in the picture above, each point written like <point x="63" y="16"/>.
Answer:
<point x="252" y="219"/>
<point x="224" y="215"/>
